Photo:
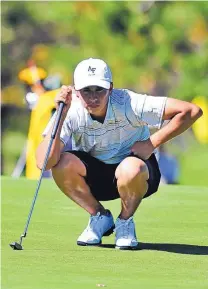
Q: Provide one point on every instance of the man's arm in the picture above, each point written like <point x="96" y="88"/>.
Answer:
<point x="181" y="114"/>
<point x="55" y="152"/>
<point x="64" y="95"/>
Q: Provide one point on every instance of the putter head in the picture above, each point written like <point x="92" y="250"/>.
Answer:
<point x="16" y="246"/>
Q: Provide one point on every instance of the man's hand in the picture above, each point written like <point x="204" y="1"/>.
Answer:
<point x="143" y="149"/>
<point x="65" y="95"/>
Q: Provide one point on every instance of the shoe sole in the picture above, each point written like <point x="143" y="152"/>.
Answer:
<point x="127" y="247"/>
<point x="80" y="243"/>
<point x="107" y="233"/>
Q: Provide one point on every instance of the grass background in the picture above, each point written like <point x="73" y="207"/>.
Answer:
<point x="171" y="226"/>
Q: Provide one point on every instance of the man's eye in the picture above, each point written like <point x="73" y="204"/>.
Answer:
<point x="99" y="89"/>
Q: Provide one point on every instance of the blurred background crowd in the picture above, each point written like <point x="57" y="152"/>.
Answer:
<point x="152" y="47"/>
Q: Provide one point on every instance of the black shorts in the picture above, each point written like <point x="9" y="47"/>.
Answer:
<point x="101" y="177"/>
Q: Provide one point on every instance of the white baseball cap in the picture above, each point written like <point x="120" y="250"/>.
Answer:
<point x="91" y="72"/>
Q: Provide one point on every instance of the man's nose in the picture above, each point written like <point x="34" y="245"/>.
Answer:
<point x="93" y="96"/>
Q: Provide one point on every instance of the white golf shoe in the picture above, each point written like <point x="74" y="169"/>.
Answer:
<point x="125" y="234"/>
<point x="98" y="226"/>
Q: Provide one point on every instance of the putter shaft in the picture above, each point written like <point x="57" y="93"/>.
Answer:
<point x="18" y="246"/>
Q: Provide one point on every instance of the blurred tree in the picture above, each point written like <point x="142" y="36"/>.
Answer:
<point x="152" y="47"/>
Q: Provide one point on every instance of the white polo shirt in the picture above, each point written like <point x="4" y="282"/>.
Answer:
<point x="127" y="119"/>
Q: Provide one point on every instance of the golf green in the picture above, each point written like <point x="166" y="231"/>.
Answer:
<point x="172" y="227"/>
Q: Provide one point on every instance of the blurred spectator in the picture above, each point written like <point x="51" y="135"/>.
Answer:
<point x="50" y="83"/>
<point x="40" y="93"/>
<point x="37" y="82"/>
<point x="169" y="167"/>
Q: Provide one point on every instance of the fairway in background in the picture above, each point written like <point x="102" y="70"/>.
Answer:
<point x="194" y="165"/>
<point x="171" y="227"/>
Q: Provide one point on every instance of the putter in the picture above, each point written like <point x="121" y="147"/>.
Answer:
<point x="18" y="246"/>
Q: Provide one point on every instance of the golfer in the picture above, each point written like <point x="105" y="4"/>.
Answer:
<point x="112" y="152"/>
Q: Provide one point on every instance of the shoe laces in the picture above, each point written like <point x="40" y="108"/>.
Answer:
<point x="125" y="225"/>
<point x="93" y="221"/>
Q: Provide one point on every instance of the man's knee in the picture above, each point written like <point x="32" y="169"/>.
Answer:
<point x="130" y="169"/>
<point x="69" y="164"/>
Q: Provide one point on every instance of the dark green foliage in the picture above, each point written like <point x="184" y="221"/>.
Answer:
<point x="151" y="48"/>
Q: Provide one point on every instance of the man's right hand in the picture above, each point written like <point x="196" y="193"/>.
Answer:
<point x="64" y="95"/>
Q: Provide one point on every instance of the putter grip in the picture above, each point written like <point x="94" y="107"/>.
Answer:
<point x="57" y="120"/>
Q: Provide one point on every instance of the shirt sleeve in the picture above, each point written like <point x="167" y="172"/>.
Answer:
<point x="148" y="108"/>
<point x="49" y="125"/>
<point x="65" y="131"/>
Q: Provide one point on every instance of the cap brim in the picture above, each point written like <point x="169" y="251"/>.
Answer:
<point x="92" y="82"/>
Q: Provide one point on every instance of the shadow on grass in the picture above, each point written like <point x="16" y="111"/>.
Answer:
<point x="172" y="248"/>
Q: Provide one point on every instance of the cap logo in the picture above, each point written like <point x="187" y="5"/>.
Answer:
<point x="91" y="69"/>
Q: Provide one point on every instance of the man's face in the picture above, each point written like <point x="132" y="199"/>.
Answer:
<point x="94" y="99"/>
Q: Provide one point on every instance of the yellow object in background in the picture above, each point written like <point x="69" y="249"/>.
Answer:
<point x="200" y="127"/>
<point x="31" y="74"/>
<point x="40" y="116"/>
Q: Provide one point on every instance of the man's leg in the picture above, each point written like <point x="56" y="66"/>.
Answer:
<point x="132" y="175"/>
<point x="69" y="175"/>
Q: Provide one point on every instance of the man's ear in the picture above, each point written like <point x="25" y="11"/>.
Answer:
<point x="75" y="92"/>
<point x="111" y="86"/>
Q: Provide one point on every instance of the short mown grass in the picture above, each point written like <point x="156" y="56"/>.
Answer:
<point x="171" y="227"/>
